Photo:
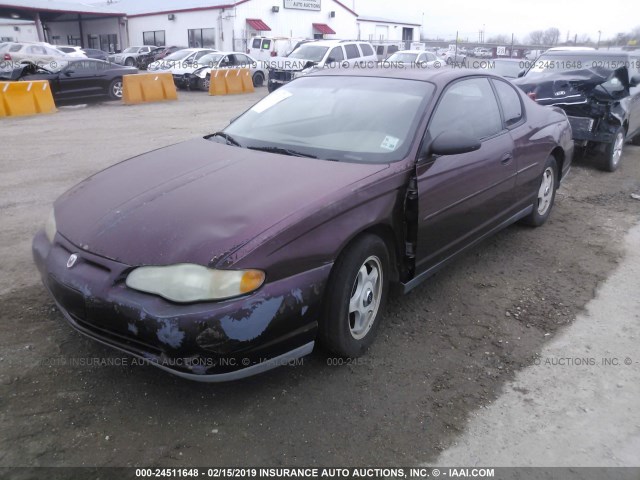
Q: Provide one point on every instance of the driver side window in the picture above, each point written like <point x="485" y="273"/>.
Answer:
<point x="470" y="107"/>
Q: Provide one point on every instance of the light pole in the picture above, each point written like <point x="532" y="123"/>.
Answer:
<point x="599" y="35"/>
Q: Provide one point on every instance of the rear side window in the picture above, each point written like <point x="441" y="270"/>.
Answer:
<point x="510" y="100"/>
<point x="380" y="50"/>
<point x="366" y="49"/>
<point x="352" y="51"/>
<point x="336" y="55"/>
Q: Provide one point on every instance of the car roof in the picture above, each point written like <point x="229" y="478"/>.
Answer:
<point x="440" y="76"/>
<point x="411" y="51"/>
<point x="331" y="43"/>
<point x="587" y="53"/>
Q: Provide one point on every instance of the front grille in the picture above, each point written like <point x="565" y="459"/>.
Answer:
<point x="281" y="75"/>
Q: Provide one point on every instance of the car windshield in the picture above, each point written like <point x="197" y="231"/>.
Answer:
<point x="179" y="55"/>
<point x="333" y="118"/>
<point x="401" y="57"/>
<point x="503" y="68"/>
<point x="546" y="64"/>
<point x="131" y="50"/>
<point x="314" y="53"/>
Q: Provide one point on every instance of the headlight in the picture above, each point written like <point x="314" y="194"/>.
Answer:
<point x="50" y="226"/>
<point x="201" y="73"/>
<point x="192" y="283"/>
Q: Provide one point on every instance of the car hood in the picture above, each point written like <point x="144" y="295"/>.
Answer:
<point x="195" y="201"/>
<point x="288" y="64"/>
<point x="571" y="87"/>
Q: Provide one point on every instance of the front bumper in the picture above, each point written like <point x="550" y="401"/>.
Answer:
<point x="207" y="341"/>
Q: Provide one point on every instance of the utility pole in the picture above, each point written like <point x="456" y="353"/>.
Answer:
<point x="599" y="35"/>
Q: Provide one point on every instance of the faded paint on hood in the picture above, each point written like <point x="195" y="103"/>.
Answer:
<point x="194" y="201"/>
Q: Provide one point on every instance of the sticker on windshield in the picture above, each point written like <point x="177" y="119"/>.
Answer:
<point x="271" y="100"/>
<point x="389" y="143"/>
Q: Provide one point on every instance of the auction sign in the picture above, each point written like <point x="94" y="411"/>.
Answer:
<point x="303" y="4"/>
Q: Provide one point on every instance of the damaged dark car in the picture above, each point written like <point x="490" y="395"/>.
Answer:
<point x="75" y="80"/>
<point x="228" y="255"/>
<point x="598" y="90"/>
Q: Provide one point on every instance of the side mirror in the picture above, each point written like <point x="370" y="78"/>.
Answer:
<point x="635" y="81"/>
<point x="454" y="143"/>
<point x="521" y="73"/>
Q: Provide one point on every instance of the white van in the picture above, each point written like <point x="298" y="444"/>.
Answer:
<point x="385" y="50"/>
<point x="264" y="48"/>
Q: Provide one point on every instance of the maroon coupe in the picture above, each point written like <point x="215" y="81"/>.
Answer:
<point x="224" y="256"/>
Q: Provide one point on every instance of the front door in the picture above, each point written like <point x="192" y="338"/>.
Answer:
<point x="461" y="197"/>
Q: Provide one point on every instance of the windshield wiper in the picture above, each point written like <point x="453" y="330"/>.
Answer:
<point x="229" y="139"/>
<point x="283" y="151"/>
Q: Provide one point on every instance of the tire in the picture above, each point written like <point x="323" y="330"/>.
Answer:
<point x="129" y="62"/>
<point x="355" y="297"/>
<point x="258" y="79"/>
<point x="115" y="89"/>
<point x="271" y="87"/>
<point x="204" y="83"/>
<point x="545" y="195"/>
<point x="613" y="153"/>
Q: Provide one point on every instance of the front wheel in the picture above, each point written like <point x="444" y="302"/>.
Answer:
<point x="205" y="83"/>
<point x="115" y="89"/>
<point x="613" y="152"/>
<point x="356" y="295"/>
<point x="129" y="62"/>
<point x="546" y="195"/>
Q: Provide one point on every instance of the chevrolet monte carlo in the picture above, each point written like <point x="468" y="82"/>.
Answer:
<point x="227" y="255"/>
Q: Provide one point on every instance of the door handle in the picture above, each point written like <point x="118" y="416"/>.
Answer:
<point x="506" y="159"/>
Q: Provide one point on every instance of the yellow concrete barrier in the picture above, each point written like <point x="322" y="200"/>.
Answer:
<point x="247" y="81"/>
<point x="217" y="83"/>
<point x="25" y="98"/>
<point x="144" y="88"/>
<point x="234" y="81"/>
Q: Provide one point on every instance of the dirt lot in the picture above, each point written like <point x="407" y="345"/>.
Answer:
<point x="443" y="354"/>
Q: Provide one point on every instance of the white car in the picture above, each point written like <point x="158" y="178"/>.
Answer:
<point x="41" y="54"/>
<point x="313" y="56"/>
<point x="418" y="58"/>
<point x="181" y="64"/>
<point x="72" y="51"/>
<point x="200" y="78"/>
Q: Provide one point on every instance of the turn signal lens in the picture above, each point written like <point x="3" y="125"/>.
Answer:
<point x="251" y="280"/>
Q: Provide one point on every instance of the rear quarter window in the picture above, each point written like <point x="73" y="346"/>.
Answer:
<point x="352" y="51"/>
<point x="366" y="49"/>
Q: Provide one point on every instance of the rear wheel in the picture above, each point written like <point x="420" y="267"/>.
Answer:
<point x="129" y="62"/>
<point x="115" y="89"/>
<point x="613" y="152"/>
<point x="545" y="196"/>
<point x="356" y="295"/>
<point x="258" y="79"/>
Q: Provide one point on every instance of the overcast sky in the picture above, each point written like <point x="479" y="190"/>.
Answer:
<point x="520" y="17"/>
<point x="504" y="17"/>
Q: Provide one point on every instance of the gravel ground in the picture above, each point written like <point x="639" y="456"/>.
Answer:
<point x="443" y="355"/>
